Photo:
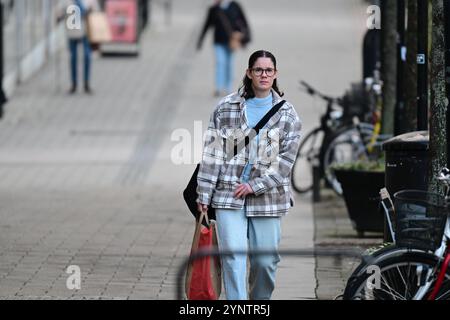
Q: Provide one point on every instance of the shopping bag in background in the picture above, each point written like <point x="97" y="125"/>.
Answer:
<point x="99" y="30"/>
<point x="203" y="275"/>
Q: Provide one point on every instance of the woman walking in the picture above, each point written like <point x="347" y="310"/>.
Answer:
<point x="225" y="17"/>
<point x="250" y="191"/>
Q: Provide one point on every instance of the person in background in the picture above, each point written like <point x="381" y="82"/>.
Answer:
<point x="225" y="17"/>
<point x="77" y="34"/>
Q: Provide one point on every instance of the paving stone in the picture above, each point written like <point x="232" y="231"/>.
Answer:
<point x="89" y="180"/>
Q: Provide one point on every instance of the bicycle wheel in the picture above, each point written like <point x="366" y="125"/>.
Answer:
<point x="348" y="145"/>
<point x="301" y="176"/>
<point x="401" y="274"/>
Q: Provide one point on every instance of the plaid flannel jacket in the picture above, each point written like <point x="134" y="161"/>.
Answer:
<point x="220" y="171"/>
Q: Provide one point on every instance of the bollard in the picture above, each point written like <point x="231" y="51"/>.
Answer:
<point x="316" y="180"/>
<point x="3" y="98"/>
<point x="168" y="12"/>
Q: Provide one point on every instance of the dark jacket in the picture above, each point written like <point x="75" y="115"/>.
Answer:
<point x="215" y="18"/>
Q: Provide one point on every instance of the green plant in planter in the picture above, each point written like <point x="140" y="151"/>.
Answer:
<point x="361" y="165"/>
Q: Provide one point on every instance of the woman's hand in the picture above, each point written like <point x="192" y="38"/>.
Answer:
<point x="202" y="207"/>
<point x="243" y="190"/>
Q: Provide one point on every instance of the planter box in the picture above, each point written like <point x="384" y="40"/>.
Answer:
<point x="361" y="193"/>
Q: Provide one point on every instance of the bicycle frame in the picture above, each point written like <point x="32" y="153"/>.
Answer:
<point x="329" y="122"/>
<point x="376" y="90"/>
<point x="441" y="276"/>
<point x="442" y="253"/>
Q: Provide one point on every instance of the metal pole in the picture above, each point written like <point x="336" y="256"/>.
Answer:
<point x="168" y="12"/>
<point x="1" y="39"/>
<point x="20" y="38"/>
<point x="316" y="180"/>
<point x="422" y="64"/>
<point x="3" y="99"/>
<point x="46" y="19"/>
<point x="447" y="71"/>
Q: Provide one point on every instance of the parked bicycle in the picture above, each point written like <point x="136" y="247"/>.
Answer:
<point x="338" y="139"/>
<point x="416" y="265"/>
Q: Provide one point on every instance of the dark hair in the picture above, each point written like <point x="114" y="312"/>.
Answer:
<point x="246" y="89"/>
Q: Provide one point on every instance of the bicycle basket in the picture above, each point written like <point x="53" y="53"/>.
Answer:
<point x="354" y="102"/>
<point x="420" y="219"/>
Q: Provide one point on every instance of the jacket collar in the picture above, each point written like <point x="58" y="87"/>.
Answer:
<point x="235" y="98"/>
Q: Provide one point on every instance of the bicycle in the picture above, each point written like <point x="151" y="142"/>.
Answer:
<point x="337" y="139"/>
<point x="362" y="142"/>
<point x="312" y="146"/>
<point x="352" y="143"/>
<point x="416" y="265"/>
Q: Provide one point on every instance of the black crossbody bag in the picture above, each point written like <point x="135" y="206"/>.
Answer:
<point x="190" y="193"/>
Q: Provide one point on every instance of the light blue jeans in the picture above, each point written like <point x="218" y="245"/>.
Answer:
<point x="237" y="232"/>
<point x="224" y="68"/>
<point x="87" y="51"/>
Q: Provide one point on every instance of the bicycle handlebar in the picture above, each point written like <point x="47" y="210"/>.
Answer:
<point x="314" y="92"/>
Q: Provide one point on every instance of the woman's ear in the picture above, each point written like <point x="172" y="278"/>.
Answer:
<point x="249" y="74"/>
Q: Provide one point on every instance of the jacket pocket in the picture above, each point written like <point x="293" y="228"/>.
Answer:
<point x="224" y="198"/>
<point x="282" y="190"/>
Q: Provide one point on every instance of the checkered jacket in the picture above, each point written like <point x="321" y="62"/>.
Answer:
<point x="277" y="149"/>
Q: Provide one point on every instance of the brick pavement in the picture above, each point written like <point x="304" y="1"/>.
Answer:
<point x="333" y="229"/>
<point x="89" y="181"/>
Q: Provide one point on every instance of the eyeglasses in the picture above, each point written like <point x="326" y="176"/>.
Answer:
<point x="259" y="71"/>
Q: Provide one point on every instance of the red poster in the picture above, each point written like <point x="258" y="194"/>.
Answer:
<point x="122" y="17"/>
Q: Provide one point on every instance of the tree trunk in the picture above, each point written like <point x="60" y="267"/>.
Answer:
<point x="389" y="63"/>
<point x="399" y="122"/>
<point x="447" y="69"/>
<point x="410" y="74"/>
<point x="438" y="106"/>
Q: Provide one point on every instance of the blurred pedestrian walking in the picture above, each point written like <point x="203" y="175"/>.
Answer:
<point x="76" y="13"/>
<point x="231" y="31"/>
<point x="251" y="191"/>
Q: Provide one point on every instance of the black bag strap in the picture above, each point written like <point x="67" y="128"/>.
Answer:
<point x="268" y="115"/>
<point x="225" y="20"/>
<point x="258" y="127"/>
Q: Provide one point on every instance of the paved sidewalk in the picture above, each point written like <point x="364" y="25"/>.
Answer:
<point x="333" y="229"/>
<point x="90" y="181"/>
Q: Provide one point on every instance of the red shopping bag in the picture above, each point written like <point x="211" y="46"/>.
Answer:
<point x="203" y="276"/>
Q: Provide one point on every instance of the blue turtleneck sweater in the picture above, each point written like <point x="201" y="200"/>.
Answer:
<point x="256" y="109"/>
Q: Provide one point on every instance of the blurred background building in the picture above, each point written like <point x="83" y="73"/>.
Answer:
<point x="31" y="35"/>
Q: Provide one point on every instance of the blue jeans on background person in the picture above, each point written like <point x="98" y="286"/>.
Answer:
<point x="236" y="231"/>
<point x="73" y="47"/>
<point x="224" y="68"/>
